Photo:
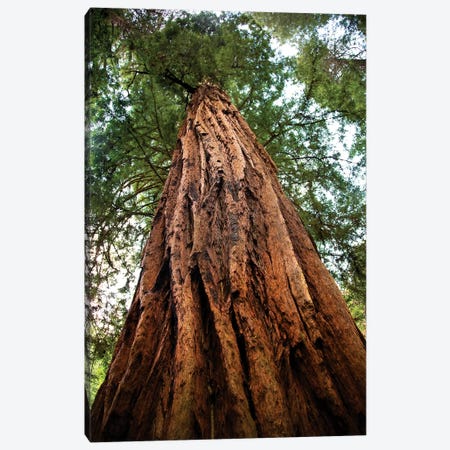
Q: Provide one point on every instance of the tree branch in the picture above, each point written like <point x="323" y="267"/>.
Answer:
<point x="321" y="158"/>
<point x="172" y="77"/>
<point x="146" y="158"/>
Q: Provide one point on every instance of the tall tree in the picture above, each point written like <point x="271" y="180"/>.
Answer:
<point x="141" y="66"/>
<point x="236" y="328"/>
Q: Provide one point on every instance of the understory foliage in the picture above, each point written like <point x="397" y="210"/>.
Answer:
<point x="307" y="109"/>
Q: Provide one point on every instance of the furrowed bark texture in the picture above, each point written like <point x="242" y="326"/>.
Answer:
<point x="236" y="328"/>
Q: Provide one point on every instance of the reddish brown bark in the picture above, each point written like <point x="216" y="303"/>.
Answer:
<point x="236" y="328"/>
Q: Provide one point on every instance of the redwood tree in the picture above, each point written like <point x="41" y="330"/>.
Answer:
<point x="236" y="328"/>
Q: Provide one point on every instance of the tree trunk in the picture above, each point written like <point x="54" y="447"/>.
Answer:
<point x="236" y="328"/>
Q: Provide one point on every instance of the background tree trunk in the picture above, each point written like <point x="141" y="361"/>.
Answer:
<point x="236" y="328"/>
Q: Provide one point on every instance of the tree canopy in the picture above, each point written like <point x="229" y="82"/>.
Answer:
<point x="306" y="107"/>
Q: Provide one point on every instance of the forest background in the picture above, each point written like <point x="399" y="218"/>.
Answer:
<point x="42" y="182"/>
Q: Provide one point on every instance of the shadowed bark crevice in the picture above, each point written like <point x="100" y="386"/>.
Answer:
<point x="213" y="375"/>
<point x="244" y="363"/>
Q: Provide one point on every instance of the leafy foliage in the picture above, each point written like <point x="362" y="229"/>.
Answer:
<point x="308" y="110"/>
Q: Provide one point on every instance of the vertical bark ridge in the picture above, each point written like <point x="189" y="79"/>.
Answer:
<point x="236" y="328"/>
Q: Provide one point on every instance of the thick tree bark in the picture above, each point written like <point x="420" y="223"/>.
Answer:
<point x="236" y="328"/>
